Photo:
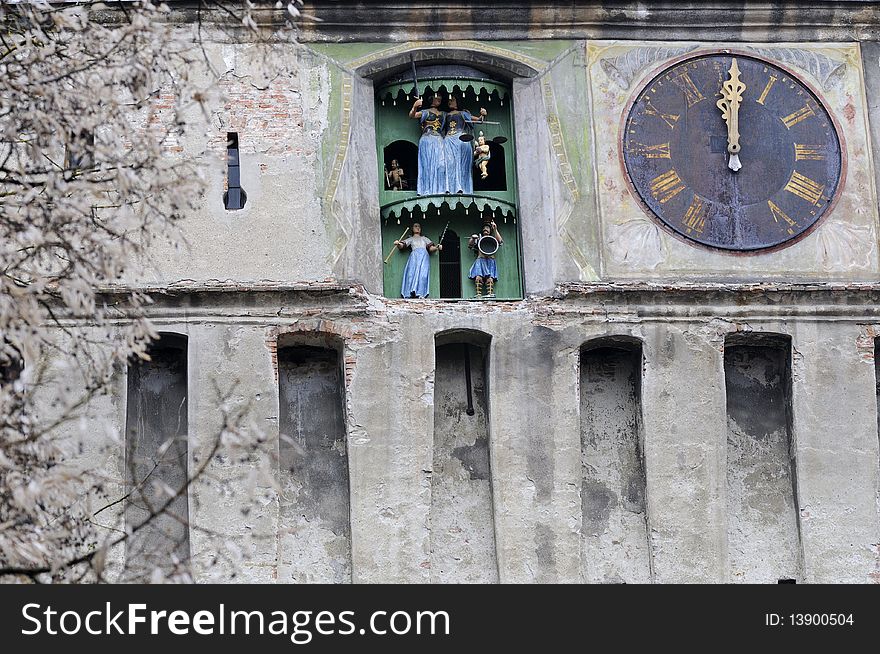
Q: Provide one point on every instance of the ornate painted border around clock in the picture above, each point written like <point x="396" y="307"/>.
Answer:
<point x="646" y="80"/>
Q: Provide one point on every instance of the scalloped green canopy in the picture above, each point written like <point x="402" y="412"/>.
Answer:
<point x="427" y="203"/>
<point x="475" y="86"/>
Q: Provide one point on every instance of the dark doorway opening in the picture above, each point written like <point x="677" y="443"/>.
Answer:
<point x="407" y="156"/>
<point x="450" y="266"/>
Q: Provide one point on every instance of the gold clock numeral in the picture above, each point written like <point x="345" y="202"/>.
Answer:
<point x="808" y="152"/>
<point x="782" y="218"/>
<point x="793" y="119"/>
<point x="805" y="188"/>
<point x="669" y="119"/>
<point x="695" y="217"/>
<point x="666" y="186"/>
<point x="691" y="93"/>
<point x="659" y="151"/>
<point x="767" y="88"/>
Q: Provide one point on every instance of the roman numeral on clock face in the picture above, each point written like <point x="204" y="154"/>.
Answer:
<point x="666" y="186"/>
<point x="767" y="88"/>
<point x="808" y="152"/>
<point x="659" y="151"/>
<point x="805" y="188"/>
<point x="794" y="118"/>
<point x="691" y="93"/>
<point x="669" y="119"/>
<point x="695" y="217"/>
<point x="781" y="218"/>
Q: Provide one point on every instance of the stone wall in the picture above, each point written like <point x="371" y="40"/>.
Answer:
<point x="303" y="257"/>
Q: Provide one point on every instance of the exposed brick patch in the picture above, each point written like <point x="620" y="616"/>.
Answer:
<point x="321" y="332"/>
<point x="270" y="120"/>
<point x="865" y="342"/>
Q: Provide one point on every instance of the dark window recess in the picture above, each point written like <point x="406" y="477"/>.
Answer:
<point x="406" y="155"/>
<point x="156" y="460"/>
<point x="450" y="265"/>
<point x="497" y="179"/>
<point x="79" y="152"/>
<point x="314" y="501"/>
<point x="234" y="197"/>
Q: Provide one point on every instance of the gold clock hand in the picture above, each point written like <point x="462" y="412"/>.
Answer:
<point x="731" y="98"/>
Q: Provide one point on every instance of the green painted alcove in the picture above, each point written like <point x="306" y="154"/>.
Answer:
<point x="509" y="285"/>
<point x="397" y="136"/>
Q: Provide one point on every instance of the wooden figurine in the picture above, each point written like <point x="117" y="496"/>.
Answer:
<point x="481" y="156"/>
<point x="395" y="179"/>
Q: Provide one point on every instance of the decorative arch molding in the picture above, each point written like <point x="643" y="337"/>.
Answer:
<point x="494" y="60"/>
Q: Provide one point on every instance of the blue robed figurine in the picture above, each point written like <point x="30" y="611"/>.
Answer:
<point x="459" y="155"/>
<point x="485" y="269"/>
<point x="432" y="154"/>
<point x="417" y="273"/>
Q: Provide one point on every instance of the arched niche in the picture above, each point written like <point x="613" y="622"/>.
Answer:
<point x="315" y="521"/>
<point x="614" y="529"/>
<point x="156" y="459"/>
<point x="763" y="529"/>
<point x="462" y="507"/>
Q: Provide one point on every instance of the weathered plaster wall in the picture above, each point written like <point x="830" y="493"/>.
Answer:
<point x="534" y="428"/>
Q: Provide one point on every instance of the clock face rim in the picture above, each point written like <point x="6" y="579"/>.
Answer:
<point x="671" y="63"/>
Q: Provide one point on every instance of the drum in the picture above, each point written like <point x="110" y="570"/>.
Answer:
<point x="487" y="245"/>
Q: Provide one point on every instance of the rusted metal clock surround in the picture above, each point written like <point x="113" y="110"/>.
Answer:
<point x="673" y="149"/>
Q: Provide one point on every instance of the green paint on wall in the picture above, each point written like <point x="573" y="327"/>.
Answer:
<point x="509" y="286"/>
<point x="330" y="137"/>
<point x="346" y="52"/>
<point x="543" y="50"/>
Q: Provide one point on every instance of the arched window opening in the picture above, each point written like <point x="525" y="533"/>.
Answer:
<point x="613" y="482"/>
<point x="314" y="500"/>
<point x="401" y="166"/>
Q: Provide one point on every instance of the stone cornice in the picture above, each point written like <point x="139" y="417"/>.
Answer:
<point x="346" y="21"/>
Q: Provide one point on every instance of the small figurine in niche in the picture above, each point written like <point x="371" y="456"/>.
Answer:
<point x="432" y="155"/>
<point x="417" y="273"/>
<point x="481" y="156"/>
<point x="485" y="245"/>
<point x="395" y="179"/>
<point x="459" y="157"/>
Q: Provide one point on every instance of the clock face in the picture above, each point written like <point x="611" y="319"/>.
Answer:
<point x="675" y="151"/>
